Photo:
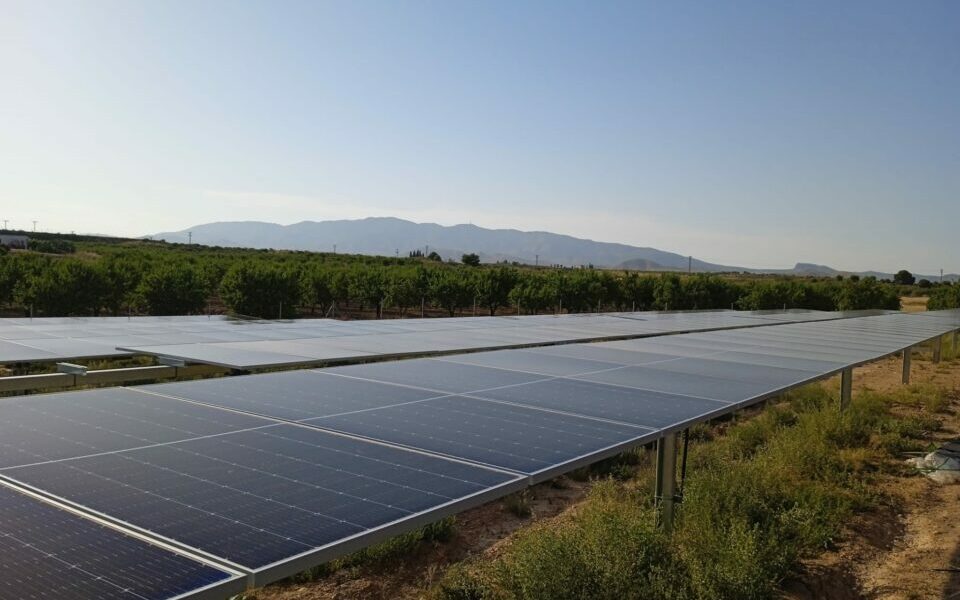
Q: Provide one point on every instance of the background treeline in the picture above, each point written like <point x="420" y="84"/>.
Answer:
<point x="96" y="278"/>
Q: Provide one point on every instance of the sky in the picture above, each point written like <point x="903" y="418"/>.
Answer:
<point x="756" y="133"/>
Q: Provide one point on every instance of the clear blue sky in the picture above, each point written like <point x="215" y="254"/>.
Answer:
<point x="757" y="133"/>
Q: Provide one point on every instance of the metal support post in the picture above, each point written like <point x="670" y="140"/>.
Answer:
<point x="907" y="352"/>
<point x="666" y="484"/>
<point x="937" y="345"/>
<point x="846" y="388"/>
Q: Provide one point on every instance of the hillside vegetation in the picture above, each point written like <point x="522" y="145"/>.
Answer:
<point x="96" y="277"/>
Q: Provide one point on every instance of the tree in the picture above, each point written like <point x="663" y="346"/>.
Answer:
<point x="316" y="289"/>
<point x="533" y="295"/>
<point x="494" y="286"/>
<point x="471" y="260"/>
<point x="904" y="277"/>
<point x="369" y="286"/>
<point x="61" y="288"/>
<point x="434" y="257"/>
<point x="667" y="292"/>
<point x="451" y="289"/>
<point x="638" y="290"/>
<point x="173" y="289"/>
<point x="924" y="283"/>
<point x="867" y="293"/>
<point x="260" y="289"/>
<point x="121" y="277"/>
<point x="402" y="290"/>
<point x="944" y="296"/>
<point x="52" y="246"/>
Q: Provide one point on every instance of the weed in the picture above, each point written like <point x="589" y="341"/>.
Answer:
<point x="773" y="490"/>
<point x="519" y="503"/>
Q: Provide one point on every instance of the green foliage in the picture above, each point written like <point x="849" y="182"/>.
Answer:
<point x="946" y="296"/>
<point x="774" y="490"/>
<point x="261" y="290"/>
<point x="61" y="288"/>
<point x="867" y="293"/>
<point x="173" y="290"/>
<point x="904" y="277"/>
<point x="471" y="260"/>
<point x="316" y="287"/>
<point x="392" y="549"/>
<point x="258" y="281"/>
<point x="52" y="246"/>
<point x="451" y="290"/>
<point x="494" y="287"/>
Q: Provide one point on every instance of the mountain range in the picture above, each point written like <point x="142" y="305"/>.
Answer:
<point x="388" y="236"/>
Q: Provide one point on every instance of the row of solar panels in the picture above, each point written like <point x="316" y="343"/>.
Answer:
<point x="247" y="344"/>
<point x="266" y="475"/>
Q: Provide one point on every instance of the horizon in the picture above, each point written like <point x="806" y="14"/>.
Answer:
<point x="751" y="134"/>
<point x="153" y="237"/>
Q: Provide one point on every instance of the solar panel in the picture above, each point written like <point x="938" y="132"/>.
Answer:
<point x="261" y="496"/>
<point x="502" y="435"/>
<point x="293" y="395"/>
<point x="346" y="341"/>
<point x="58" y="426"/>
<point x="47" y="552"/>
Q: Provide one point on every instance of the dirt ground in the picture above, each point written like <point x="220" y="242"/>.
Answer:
<point x="909" y="549"/>
<point x="913" y="303"/>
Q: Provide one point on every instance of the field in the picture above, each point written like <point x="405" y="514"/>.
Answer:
<point x="861" y="524"/>
<point x="89" y="276"/>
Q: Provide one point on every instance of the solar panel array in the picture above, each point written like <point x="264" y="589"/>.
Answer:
<point x="274" y="473"/>
<point x="339" y="341"/>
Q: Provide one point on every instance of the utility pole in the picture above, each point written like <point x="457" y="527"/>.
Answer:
<point x="941" y="275"/>
<point x="536" y="261"/>
<point x="190" y="238"/>
<point x="34" y="226"/>
<point x="334" y="248"/>
<point x="689" y="265"/>
<point x="5" y="224"/>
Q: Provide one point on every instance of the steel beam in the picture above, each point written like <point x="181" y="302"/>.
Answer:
<point x="665" y="490"/>
<point x="46" y="381"/>
<point x="907" y="353"/>
<point x="846" y="388"/>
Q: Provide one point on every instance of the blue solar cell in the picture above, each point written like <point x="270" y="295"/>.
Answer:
<point x="684" y="384"/>
<point x="49" y="553"/>
<point x="638" y="407"/>
<point x="293" y="395"/>
<point x="436" y="375"/>
<point x="56" y="426"/>
<point x="511" y="437"/>
<point x="260" y="496"/>
<point x="531" y="362"/>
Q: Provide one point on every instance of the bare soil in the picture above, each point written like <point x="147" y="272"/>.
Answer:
<point x="909" y="549"/>
<point x="913" y="303"/>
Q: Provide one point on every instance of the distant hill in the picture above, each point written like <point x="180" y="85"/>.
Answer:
<point x="388" y="236"/>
